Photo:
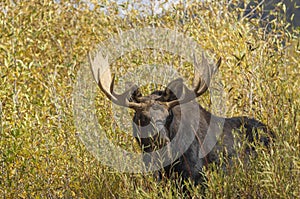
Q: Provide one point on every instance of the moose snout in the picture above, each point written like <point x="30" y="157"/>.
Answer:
<point x="162" y="131"/>
<point x="160" y="123"/>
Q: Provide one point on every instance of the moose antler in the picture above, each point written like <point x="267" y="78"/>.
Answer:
<point x="199" y="86"/>
<point x="102" y="75"/>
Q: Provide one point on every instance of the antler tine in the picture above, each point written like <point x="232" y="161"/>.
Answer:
<point x="96" y="66"/>
<point x="197" y="90"/>
<point x="103" y="78"/>
<point x="200" y="87"/>
<point x="209" y="72"/>
<point x="93" y="68"/>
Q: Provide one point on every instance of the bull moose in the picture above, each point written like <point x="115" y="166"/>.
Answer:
<point x="159" y="117"/>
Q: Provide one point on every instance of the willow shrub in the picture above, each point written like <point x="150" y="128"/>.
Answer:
<point x="44" y="43"/>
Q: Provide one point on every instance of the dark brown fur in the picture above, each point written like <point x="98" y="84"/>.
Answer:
<point x="190" y="164"/>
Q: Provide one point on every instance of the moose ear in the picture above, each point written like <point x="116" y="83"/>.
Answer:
<point x="135" y="93"/>
<point x="174" y="90"/>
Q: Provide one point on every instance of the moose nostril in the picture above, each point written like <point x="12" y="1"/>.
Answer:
<point x="160" y="122"/>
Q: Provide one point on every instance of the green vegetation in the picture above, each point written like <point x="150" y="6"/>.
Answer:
<point x="42" y="46"/>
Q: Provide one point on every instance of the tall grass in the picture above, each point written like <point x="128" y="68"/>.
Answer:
<point x="44" y="43"/>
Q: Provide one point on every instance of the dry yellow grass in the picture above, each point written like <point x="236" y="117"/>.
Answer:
<point x="42" y="46"/>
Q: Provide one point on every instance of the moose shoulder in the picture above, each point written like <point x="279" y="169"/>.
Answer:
<point x="160" y="116"/>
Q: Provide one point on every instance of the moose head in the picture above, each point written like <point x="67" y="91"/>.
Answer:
<point x="153" y="113"/>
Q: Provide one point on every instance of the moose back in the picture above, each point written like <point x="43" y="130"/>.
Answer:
<point x="160" y="117"/>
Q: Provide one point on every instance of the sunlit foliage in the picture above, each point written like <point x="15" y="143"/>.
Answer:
<point x="44" y="43"/>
